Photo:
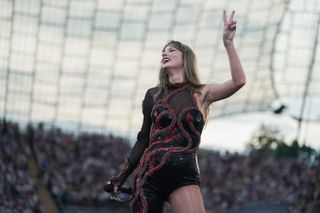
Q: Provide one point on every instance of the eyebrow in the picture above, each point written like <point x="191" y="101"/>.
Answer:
<point x="169" y="47"/>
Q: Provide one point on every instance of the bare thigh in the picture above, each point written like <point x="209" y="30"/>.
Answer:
<point x="187" y="199"/>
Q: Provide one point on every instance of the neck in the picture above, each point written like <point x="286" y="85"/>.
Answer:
<point x="176" y="77"/>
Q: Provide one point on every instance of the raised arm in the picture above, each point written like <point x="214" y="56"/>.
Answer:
<point x="216" y="92"/>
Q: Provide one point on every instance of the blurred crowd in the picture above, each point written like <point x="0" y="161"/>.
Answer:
<point x="75" y="167"/>
<point x="17" y="188"/>
<point x="232" y="180"/>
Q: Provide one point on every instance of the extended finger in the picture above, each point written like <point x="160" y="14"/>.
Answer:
<point x="224" y="16"/>
<point x="232" y="15"/>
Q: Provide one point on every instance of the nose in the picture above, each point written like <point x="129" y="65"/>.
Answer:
<point x="164" y="54"/>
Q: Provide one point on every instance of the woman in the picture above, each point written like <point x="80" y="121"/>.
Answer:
<point x="174" y="115"/>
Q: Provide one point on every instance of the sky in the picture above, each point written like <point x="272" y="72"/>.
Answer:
<point x="232" y="133"/>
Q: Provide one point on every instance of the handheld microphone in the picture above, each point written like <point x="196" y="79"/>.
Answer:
<point x="109" y="187"/>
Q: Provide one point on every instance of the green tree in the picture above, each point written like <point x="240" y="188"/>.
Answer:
<point x="268" y="140"/>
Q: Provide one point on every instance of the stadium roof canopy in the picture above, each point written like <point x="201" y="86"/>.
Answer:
<point x="86" y="65"/>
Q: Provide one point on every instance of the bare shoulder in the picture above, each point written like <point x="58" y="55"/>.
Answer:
<point x="201" y="88"/>
<point x="204" y="89"/>
<point x="200" y="94"/>
<point x="200" y="97"/>
<point x="215" y="92"/>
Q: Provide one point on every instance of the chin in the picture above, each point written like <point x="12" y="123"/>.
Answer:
<point x="164" y="66"/>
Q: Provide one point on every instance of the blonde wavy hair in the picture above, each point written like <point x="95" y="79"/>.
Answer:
<point x="190" y="68"/>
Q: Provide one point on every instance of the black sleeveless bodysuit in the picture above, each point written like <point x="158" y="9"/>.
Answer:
<point x="169" y="161"/>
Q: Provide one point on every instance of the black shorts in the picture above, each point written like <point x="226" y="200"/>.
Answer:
<point x="180" y="169"/>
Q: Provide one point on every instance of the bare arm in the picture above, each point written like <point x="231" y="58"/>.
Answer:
<point x="216" y="92"/>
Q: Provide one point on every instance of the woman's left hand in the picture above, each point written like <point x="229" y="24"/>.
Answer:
<point x="229" y="28"/>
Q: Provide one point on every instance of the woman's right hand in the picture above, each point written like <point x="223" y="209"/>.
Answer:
<point x="118" y="193"/>
<point x="114" y="185"/>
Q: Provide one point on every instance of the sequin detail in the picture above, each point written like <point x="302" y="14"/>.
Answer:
<point x="171" y="134"/>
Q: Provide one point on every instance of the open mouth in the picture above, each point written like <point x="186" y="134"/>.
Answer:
<point x="165" y="60"/>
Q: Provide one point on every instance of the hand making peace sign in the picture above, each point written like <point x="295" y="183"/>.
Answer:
<point x="229" y="28"/>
